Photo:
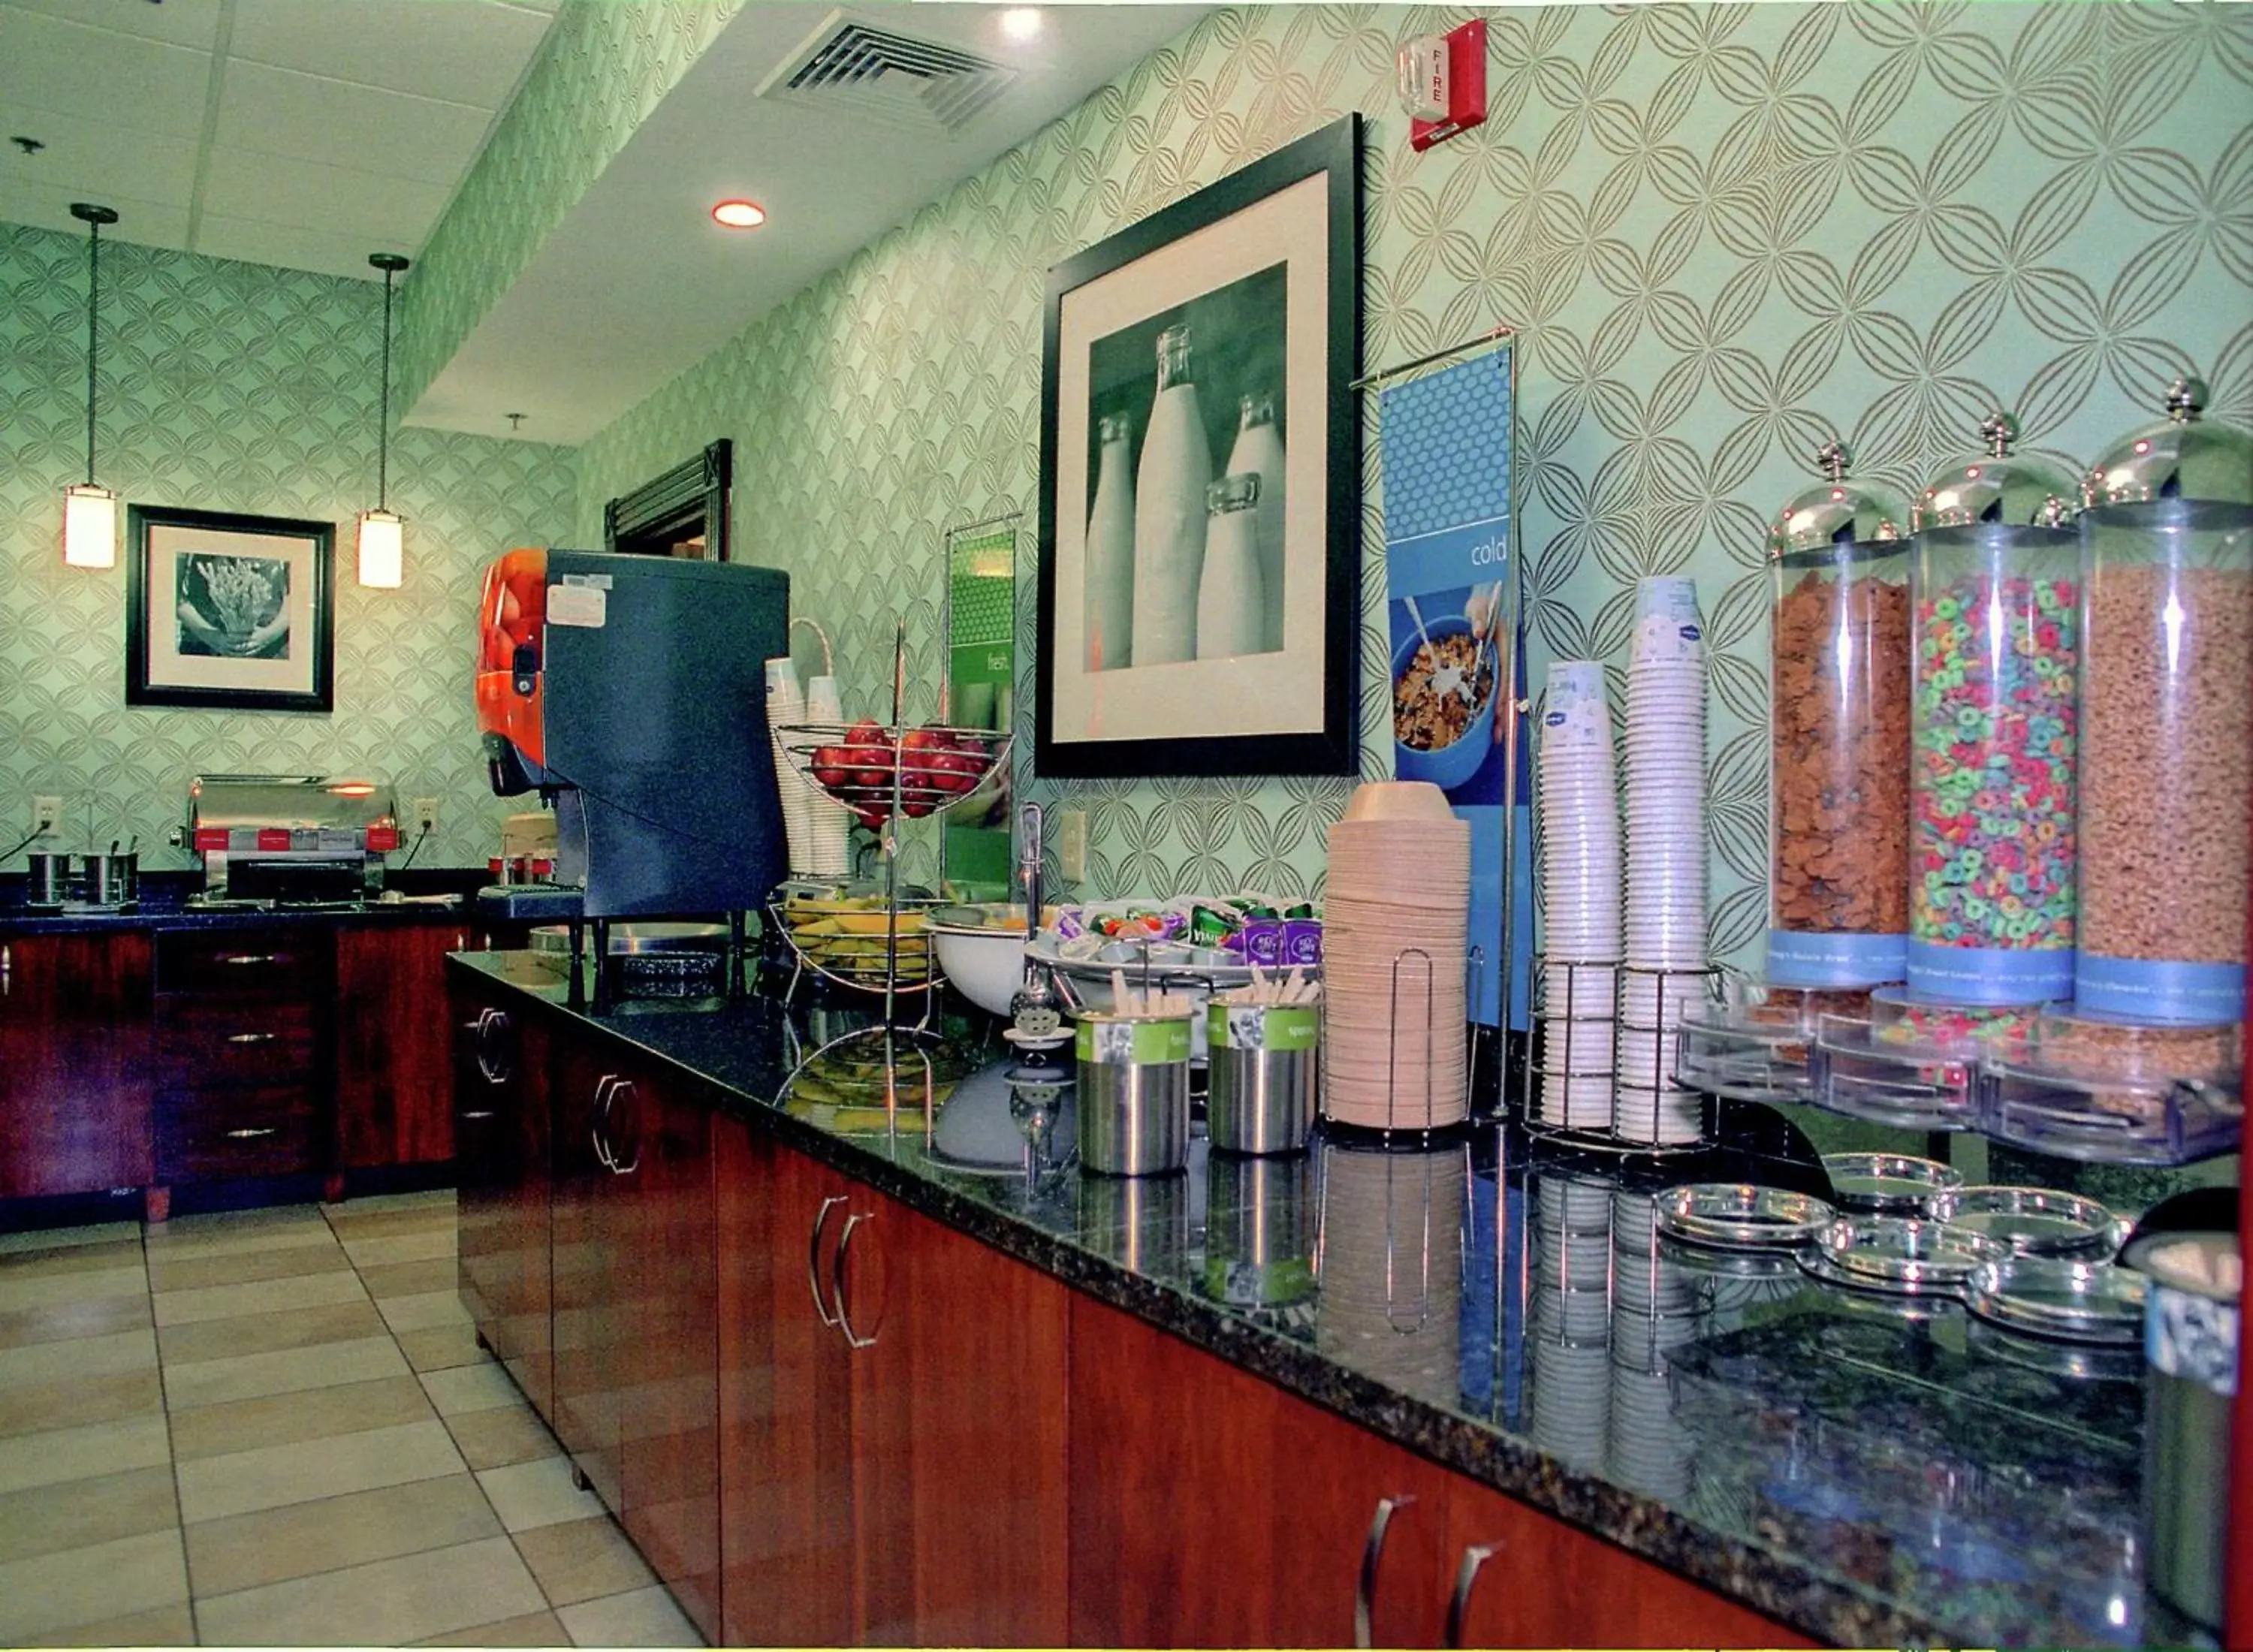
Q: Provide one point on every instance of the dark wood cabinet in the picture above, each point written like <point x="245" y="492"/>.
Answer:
<point x="394" y="1052"/>
<point x="590" y="1244"/>
<point x="500" y="1093"/>
<point x="785" y="1415"/>
<point x="241" y="1037"/>
<point x="1282" y="1525"/>
<point x="74" y="1064"/>
<point x="658" y="1131"/>
<point x="959" y="1369"/>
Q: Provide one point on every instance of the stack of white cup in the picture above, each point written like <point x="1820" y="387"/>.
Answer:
<point x="828" y="852"/>
<point x="785" y="709"/>
<point x="1578" y="792"/>
<point x="1665" y="928"/>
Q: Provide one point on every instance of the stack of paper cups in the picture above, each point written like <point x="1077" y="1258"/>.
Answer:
<point x="828" y="852"/>
<point x="786" y="707"/>
<point x="1579" y="793"/>
<point x="1665" y="926"/>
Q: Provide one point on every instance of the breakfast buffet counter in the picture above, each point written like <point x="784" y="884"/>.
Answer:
<point x="1864" y="1471"/>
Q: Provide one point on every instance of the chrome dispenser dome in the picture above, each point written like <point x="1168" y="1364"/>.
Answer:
<point x="2183" y="456"/>
<point x="2000" y="487"/>
<point x="1836" y="512"/>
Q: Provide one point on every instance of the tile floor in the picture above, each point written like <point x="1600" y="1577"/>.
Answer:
<point x="274" y="1428"/>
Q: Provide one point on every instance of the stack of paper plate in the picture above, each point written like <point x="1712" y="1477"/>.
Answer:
<point x="1394" y="931"/>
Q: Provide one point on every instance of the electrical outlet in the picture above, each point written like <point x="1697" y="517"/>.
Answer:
<point x="47" y="815"/>
<point x="426" y="815"/>
<point x="1071" y="845"/>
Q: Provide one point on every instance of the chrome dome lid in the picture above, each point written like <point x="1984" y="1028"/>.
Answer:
<point x="1836" y="511"/>
<point x="2183" y="456"/>
<point x="2000" y="488"/>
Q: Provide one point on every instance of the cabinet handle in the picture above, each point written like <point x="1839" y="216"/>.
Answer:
<point x="1372" y="1554"/>
<point x="251" y="1038"/>
<point x="1458" y="1603"/>
<point x="598" y="1115"/>
<point x="479" y="1112"/>
<point x="248" y="957"/>
<point x="250" y="1135"/>
<point x="837" y="1292"/>
<point x="624" y="1086"/>
<point x="813" y="1259"/>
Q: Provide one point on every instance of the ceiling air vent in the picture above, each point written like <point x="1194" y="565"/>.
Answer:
<point x="855" y="69"/>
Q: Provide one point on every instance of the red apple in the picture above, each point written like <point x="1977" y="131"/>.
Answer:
<point x="958" y="771"/>
<point x="873" y="815"/>
<point x="830" y="766"/>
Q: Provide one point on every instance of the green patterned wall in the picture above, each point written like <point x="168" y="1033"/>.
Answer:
<point x="1724" y="233"/>
<point x="603" y="65"/>
<point x="236" y="387"/>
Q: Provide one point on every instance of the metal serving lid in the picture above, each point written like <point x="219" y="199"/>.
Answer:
<point x="298" y="801"/>
<point x="2030" y="1221"/>
<point x="2000" y="488"/>
<point x="2059" y="1296"/>
<point x="2183" y="456"/>
<point x="1899" y="1252"/>
<point x="1836" y="512"/>
<point x="1740" y="1215"/>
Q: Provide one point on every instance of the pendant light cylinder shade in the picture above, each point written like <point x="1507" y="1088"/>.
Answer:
<point x="89" y="509"/>
<point x="89" y="526"/>
<point x="382" y="532"/>
<point x="382" y="549"/>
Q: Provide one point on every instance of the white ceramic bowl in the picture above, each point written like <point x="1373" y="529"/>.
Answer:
<point x="986" y="966"/>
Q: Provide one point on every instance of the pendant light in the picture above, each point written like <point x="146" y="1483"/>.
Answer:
<point x="382" y="533"/>
<point x="90" y="509"/>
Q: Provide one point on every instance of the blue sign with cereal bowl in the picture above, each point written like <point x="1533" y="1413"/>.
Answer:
<point x="1454" y="642"/>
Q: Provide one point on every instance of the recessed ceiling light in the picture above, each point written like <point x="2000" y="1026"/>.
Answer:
<point x="739" y="215"/>
<point x="1021" y="23"/>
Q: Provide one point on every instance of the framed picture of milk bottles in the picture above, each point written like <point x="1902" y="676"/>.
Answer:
<point x="228" y="612"/>
<point x="1200" y="481"/>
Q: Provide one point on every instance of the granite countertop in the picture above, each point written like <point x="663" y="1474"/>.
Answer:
<point x="431" y="897"/>
<point x="1866" y="1475"/>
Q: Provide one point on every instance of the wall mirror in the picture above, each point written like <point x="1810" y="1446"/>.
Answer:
<point x="683" y="512"/>
<point x="979" y="619"/>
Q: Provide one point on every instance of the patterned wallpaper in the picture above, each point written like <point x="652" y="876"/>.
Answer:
<point x="1724" y="233"/>
<point x="236" y="387"/>
<point x="602" y="68"/>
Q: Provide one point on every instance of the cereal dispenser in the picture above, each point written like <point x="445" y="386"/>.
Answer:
<point x="1838" y="779"/>
<point x="2166" y="719"/>
<point x="2144" y="1066"/>
<point x="1995" y="610"/>
<point x="1838" y="817"/>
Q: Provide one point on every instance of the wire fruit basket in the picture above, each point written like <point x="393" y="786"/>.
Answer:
<point x="852" y="941"/>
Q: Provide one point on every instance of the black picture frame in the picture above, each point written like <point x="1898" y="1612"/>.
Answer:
<point x="1147" y="734"/>
<point x="178" y="645"/>
<point x="688" y="503"/>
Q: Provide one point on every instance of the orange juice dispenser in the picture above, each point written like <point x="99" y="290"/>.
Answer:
<point x="629" y="692"/>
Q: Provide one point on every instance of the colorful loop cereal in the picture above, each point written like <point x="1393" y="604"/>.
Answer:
<point x="1994" y="599"/>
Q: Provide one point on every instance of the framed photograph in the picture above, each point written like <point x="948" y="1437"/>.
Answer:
<point x="1200" y="509"/>
<point x="235" y="612"/>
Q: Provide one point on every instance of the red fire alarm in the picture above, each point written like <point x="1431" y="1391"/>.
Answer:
<point x="1443" y="84"/>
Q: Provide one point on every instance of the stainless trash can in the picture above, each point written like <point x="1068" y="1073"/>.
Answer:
<point x="2190" y="1380"/>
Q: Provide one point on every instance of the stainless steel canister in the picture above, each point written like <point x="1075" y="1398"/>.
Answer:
<point x="2190" y="1380"/>
<point x="113" y="879"/>
<point x="1264" y="1072"/>
<point x="1259" y="1230"/>
<point x="1141" y="1223"/>
<point x="48" y="880"/>
<point x="1133" y="1102"/>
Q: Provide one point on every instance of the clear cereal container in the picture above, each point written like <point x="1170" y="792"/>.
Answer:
<point x="1838" y="752"/>
<point x="2104" y="1089"/>
<point x="1995" y="601"/>
<point x="1753" y="1045"/>
<point x="2166" y="719"/>
<point x="1911" y="1062"/>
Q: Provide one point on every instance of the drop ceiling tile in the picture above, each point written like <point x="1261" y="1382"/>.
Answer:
<point x="322" y="252"/>
<point x="44" y="206"/>
<point x="388" y="214"/>
<point x="463" y="52"/>
<point x="282" y="112"/>
<point x="189" y="23"/>
<point x="99" y="160"/>
<point x="47" y="64"/>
